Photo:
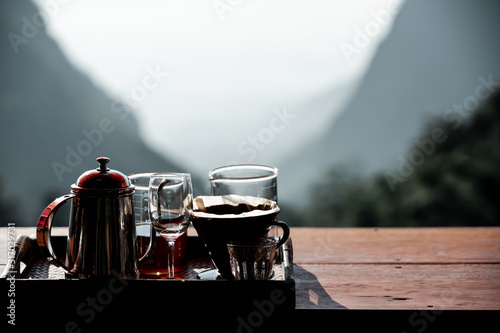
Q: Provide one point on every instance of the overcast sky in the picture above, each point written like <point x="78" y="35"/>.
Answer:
<point x="275" y="71"/>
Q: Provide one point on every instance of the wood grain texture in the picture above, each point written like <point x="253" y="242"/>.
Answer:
<point x="397" y="268"/>
<point x="398" y="287"/>
<point x="396" y="245"/>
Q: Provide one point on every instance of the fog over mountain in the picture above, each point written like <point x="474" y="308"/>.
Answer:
<point x="54" y="122"/>
<point x="434" y="59"/>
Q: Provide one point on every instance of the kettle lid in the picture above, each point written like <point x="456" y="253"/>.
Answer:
<point x="102" y="178"/>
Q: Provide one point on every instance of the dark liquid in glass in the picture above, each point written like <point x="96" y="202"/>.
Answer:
<point x="157" y="263"/>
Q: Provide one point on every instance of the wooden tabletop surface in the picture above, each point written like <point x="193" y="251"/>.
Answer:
<point x="398" y="268"/>
<point x="386" y="268"/>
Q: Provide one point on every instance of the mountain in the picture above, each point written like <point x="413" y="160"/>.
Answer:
<point x="54" y="122"/>
<point x="456" y="184"/>
<point x="437" y="57"/>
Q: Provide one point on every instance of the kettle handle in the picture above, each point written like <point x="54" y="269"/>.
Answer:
<point x="44" y="227"/>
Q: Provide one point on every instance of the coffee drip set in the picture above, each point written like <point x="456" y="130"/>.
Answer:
<point x="235" y="223"/>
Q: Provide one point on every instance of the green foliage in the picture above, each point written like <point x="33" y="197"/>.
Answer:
<point x="456" y="185"/>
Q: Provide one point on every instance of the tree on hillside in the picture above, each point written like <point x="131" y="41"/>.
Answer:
<point x="452" y="181"/>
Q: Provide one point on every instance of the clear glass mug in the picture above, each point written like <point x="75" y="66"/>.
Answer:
<point x="156" y="266"/>
<point x="252" y="261"/>
<point x="247" y="179"/>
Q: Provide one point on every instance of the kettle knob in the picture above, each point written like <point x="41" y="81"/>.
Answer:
<point x="103" y="161"/>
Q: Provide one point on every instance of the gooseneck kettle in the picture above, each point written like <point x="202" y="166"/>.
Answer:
<point x="102" y="237"/>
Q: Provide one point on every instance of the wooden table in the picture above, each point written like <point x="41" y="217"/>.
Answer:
<point x="419" y="271"/>
<point x="391" y="268"/>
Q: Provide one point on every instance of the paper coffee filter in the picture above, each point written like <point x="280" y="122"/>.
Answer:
<point x="233" y="206"/>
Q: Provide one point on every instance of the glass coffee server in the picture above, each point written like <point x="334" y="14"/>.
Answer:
<point x="170" y="208"/>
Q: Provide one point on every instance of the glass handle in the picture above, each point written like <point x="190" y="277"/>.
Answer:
<point x="286" y="232"/>
<point x="151" y="246"/>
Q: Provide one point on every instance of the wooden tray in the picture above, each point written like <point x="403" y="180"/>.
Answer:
<point x="46" y="301"/>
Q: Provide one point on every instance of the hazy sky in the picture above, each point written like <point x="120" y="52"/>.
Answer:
<point x="213" y="82"/>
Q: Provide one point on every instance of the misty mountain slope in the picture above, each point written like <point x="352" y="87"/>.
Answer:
<point x="54" y="121"/>
<point x="456" y="186"/>
<point x="430" y="61"/>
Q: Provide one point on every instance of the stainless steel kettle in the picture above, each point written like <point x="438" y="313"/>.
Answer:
<point x="102" y="235"/>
